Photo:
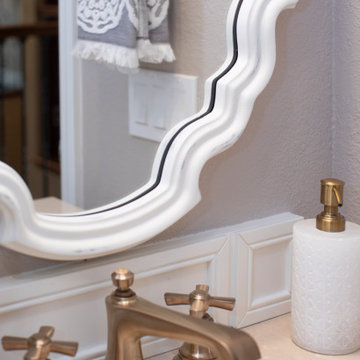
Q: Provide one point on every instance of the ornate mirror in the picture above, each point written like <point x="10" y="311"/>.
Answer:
<point x="172" y="189"/>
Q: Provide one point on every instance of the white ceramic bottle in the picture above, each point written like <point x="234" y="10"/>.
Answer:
<point x="326" y="278"/>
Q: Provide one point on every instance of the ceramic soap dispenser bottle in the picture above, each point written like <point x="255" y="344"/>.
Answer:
<point x="326" y="278"/>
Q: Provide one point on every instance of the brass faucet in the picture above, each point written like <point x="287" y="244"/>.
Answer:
<point x="40" y="345"/>
<point x="131" y="317"/>
<point x="199" y="300"/>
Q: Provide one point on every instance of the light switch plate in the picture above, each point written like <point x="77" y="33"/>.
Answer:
<point x="158" y="100"/>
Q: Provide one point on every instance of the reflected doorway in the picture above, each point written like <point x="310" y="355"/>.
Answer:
<point x="29" y="93"/>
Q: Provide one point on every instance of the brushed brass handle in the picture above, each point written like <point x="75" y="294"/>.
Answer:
<point x="14" y="343"/>
<point x="64" y="347"/>
<point x="34" y="353"/>
<point x="226" y="303"/>
<point x="177" y="299"/>
<point x="47" y="331"/>
<point x="199" y="301"/>
<point x="39" y="345"/>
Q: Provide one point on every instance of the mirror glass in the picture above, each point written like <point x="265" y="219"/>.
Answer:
<point x="115" y="160"/>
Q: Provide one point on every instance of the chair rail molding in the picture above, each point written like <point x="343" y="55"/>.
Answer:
<point x="173" y="188"/>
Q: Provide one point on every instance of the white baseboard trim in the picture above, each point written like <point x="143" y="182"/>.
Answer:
<point x="250" y="261"/>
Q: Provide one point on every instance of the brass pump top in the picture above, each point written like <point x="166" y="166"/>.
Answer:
<point x="330" y="220"/>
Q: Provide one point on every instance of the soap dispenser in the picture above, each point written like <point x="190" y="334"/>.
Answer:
<point x="325" y="311"/>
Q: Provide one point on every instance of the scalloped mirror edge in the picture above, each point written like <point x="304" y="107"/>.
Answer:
<point x="173" y="188"/>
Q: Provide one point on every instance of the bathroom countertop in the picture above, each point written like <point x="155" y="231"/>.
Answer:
<point x="54" y="205"/>
<point x="274" y="340"/>
<point x="166" y="356"/>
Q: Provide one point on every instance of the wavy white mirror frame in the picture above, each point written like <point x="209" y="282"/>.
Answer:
<point x="172" y="189"/>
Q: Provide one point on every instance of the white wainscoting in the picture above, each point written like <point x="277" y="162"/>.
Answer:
<point x="250" y="261"/>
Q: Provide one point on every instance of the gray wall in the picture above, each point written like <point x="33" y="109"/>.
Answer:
<point x="115" y="163"/>
<point x="286" y="149"/>
<point x="346" y="120"/>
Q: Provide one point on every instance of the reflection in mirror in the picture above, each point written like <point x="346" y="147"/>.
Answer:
<point x="29" y="93"/>
<point x="123" y="115"/>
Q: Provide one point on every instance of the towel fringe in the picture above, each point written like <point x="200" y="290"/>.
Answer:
<point x="123" y="58"/>
<point x="154" y="53"/>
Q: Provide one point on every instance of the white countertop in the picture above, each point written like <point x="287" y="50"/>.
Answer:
<point x="166" y="356"/>
<point x="274" y="340"/>
<point x="54" y="205"/>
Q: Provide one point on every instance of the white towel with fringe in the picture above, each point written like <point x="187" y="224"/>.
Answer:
<point x="121" y="33"/>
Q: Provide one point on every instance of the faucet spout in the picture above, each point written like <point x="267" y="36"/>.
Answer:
<point x="131" y="317"/>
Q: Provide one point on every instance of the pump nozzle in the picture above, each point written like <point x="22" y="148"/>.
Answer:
<point x="330" y="219"/>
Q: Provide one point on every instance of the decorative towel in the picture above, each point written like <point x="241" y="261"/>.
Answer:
<point x="122" y="32"/>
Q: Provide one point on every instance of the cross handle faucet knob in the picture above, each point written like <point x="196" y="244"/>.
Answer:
<point x="199" y="300"/>
<point x="39" y="345"/>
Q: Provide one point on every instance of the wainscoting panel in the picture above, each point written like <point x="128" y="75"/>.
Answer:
<point x="250" y="261"/>
<point x="265" y="268"/>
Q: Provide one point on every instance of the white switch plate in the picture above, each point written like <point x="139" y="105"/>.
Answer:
<point x="158" y="100"/>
